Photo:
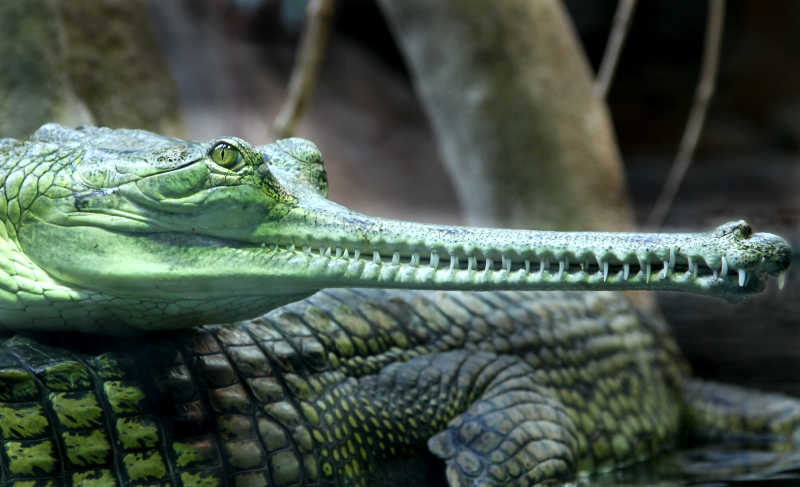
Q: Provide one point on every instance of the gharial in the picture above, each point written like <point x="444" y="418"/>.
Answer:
<point x="119" y="232"/>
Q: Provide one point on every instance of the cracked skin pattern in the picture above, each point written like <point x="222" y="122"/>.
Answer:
<point x="508" y="388"/>
<point x="504" y="387"/>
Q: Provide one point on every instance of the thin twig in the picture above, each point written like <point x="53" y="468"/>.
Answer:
<point x="694" y="125"/>
<point x="622" y="21"/>
<point x="319" y="16"/>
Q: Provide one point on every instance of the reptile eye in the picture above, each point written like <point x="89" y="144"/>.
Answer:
<point x="225" y="155"/>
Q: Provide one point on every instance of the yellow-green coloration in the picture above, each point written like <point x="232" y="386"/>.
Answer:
<point x="67" y="376"/>
<point x="187" y="454"/>
<point x="84" y="449"/>
<point x="137" y="433"/>
<point x="124" y="398"/>
<point x="77" y="410"/>
<point x="144" y="465"/>
<point x="94" y="478"/>
<point x="161" y="233"/>
<point x="504" y="388"/>
<point x="34" y="483"/>
<point x="31" y="458"/>
<point x="199" y="480"/>
<point x="22" y="422"/>
<point x="18" y="385"/>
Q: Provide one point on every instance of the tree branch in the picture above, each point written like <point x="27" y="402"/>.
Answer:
<point x="622" y="20"/>
<point x="319" y="16"/>
<point x="694" y="125"/>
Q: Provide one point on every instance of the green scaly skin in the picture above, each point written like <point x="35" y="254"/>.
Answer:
<point x="117" y="231"/>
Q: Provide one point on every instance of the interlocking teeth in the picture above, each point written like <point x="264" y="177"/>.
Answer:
<point x="694" y="266"/>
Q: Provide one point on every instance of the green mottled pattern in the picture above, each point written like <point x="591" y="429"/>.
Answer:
<point x="505" y="387"/>
<point x="157" y="233"/>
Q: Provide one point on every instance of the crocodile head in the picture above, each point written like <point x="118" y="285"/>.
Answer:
<point x="149" y="231"/>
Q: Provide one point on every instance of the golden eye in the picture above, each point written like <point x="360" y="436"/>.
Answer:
<point x="225" y="155"/>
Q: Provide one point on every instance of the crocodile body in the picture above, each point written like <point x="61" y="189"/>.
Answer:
<point x="117" y="232"/>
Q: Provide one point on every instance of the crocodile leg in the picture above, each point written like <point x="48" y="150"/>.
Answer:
<point x="727" y="413"/>
<point x="334" y="389"/>
<point x="505" y="429"/>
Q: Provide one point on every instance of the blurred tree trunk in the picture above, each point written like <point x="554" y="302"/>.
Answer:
<point x="509" y="92"/>
<point x="83" y="61"/>
<point x="34" y="85"/>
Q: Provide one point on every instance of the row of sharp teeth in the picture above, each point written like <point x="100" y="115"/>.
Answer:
<point x="541" y="266"/>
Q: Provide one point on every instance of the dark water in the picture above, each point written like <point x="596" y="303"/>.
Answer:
<point x="710" y="466"/>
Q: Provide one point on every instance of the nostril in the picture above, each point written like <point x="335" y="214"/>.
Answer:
<point x="741" y="228"/>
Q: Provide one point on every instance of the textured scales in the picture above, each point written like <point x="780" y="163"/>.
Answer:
<point x="507" y="388"/>
<point x="116" y="231"/>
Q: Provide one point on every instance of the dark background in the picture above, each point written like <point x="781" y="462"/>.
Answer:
<point x="231" y="61"/>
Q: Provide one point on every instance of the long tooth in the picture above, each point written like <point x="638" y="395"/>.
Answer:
<point x="724" y="271"/>
<point x="648" y="271"/>
<point x="395" y="258"/>
<point x="691" y="267"/>
<point x="527" y="265"/>
<point x="626" y="271"/>
<point x="434" y="260"/>
<point x="506" y="263"/>
<point x="605" y="271"/>
<point x="453" y="262"/>
<point x="671" y="258"/>
<point x="415" y="258"/>
<point x="328" y="252"/>
<point x="665" y="270"/>
<point x="489" y="264"/>
<point x="781" y="280"/>
<point x="356" y="253"/>
<point x="376" y="257"/>
<point x="562" y="264"/>
<point x="472" y="262"/>
<point x="543" y="265"/>
<point x="338" y="252"/>
<point x="742" y="277"/>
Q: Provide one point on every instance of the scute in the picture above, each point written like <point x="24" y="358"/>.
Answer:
<point x="104" y="137"/>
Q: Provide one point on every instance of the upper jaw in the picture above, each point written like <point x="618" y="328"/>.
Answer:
<point x="349" y="249"/>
